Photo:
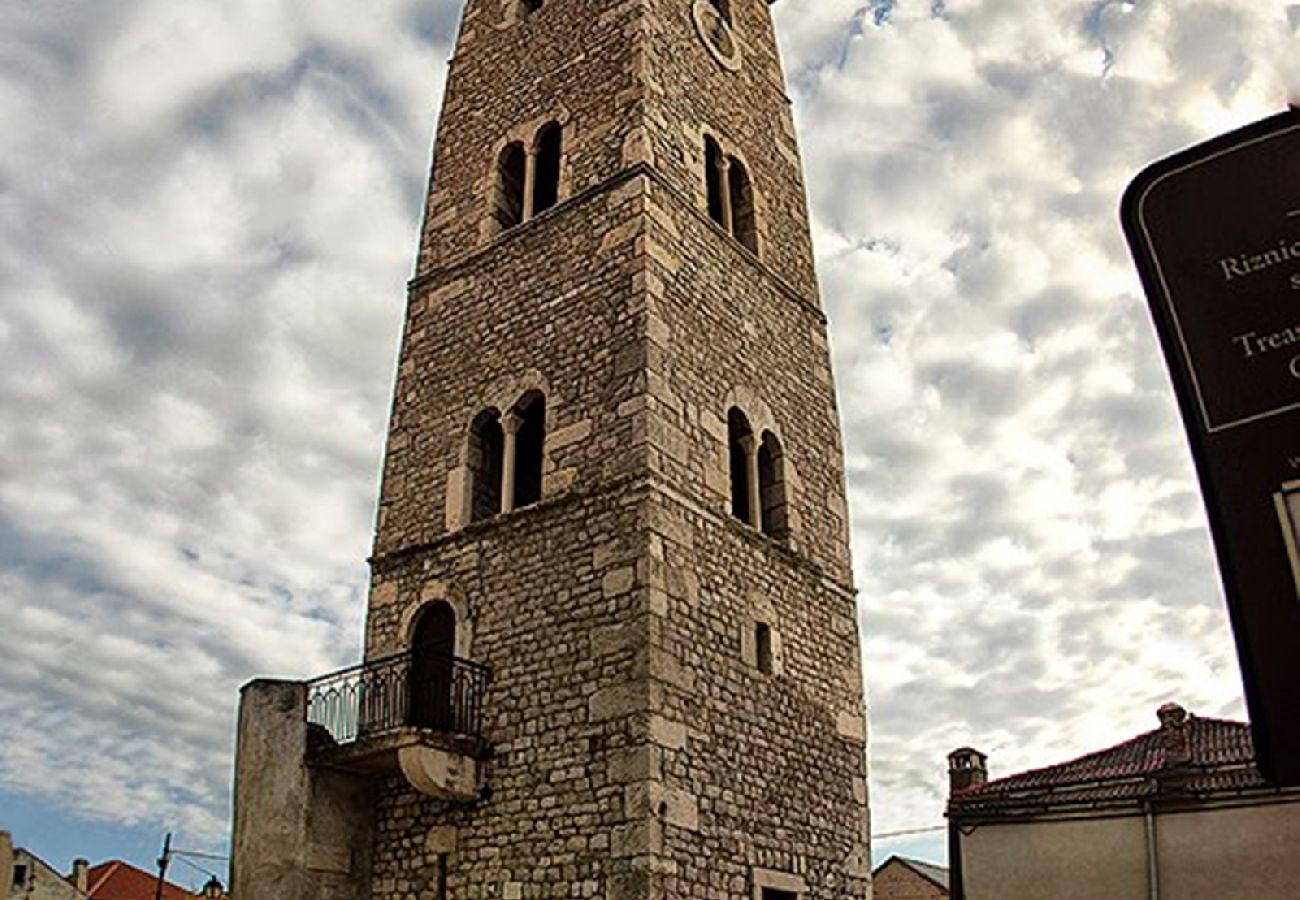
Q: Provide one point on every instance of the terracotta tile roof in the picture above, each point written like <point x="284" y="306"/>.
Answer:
<point x="118" y="880"/>
<point x="1221" y="760"/>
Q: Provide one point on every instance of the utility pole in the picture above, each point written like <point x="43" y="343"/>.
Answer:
<point x="162" y="865"/>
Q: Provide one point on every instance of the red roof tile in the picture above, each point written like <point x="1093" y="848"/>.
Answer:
<point x="1222" y="760"/>
<point x="118" y="880"/>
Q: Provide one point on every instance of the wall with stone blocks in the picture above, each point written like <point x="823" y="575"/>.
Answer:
<point x="557" y="612"/>
<point x="580" y="70"/>
<point x="481" y="333"/>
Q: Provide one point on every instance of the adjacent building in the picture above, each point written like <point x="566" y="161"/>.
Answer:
<point x="25" y="876"/>
<point x="119" y="880"/>
<point x="1176" y="813"/>
<point x="900" y="878"/>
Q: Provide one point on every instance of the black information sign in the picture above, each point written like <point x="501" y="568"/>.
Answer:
<point x="1215" y="232"/>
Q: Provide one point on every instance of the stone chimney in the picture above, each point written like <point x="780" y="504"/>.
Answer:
<point x="80" y="877"/>
<point x="967" y="768"/>
<point x="6" y="864"/>
<point x="1173" y="736"/>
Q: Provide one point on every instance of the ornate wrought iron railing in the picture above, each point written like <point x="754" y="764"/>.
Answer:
<point x="416" y="689"/>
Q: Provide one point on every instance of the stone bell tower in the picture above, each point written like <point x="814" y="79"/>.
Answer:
<point x="611" y="648"/>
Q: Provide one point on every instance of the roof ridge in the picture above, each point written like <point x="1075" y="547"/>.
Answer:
<point x="1069" y="762"/>
<point x="109" y="868"/>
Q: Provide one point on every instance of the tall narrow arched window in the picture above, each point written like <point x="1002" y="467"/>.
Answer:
<point x="713" y="175"/>
<point x="529" y="421"/>
<point x="741" y="192"/>
<point x="429" y="679"/>
<point x="740" y="449"/>
<point x="763" y="647"/>
<point x="546" y="178"/>
<point x="486" y="448"/>
<point x="508" y="204"/>
<point x="771" y="487"/>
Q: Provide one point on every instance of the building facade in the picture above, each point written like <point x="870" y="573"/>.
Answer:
<point x="1177" y="813"/>
<point x="611" y="645"/>
<point x="900" y="878"/>
<point x="25" y="876"/>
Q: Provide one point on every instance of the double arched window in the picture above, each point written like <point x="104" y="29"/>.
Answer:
<point x="528" y="177"/>
<point x="757" y="467"/>
<point x="730" y="194"/>
<point x="505" y="455"/>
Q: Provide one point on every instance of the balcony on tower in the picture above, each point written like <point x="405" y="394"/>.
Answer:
<point x="419" y="712"/>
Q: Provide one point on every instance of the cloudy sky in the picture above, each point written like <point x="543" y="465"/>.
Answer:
<point x="207" y="216"/>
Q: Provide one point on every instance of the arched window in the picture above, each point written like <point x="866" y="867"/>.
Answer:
<point x="546" y="177"/>
<point x="512" y="168"/>
<point x="486" y="448"/>
<point x="771" y="486"/>
<point x="740" y="450"/>
<point x="713" y="176"/>
<point x="528" y="421"/>
<point x="741" y="193"/>
<point x="429" y="683"/>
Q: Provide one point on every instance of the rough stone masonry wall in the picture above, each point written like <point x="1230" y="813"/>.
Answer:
<point x="747" y="111"/>
<point x="723" y="331"/>
<point x="482" y="332"/>
<point x="555" y="604"/>
<point x="775" y="761"/>
<point x="511" y="74"/>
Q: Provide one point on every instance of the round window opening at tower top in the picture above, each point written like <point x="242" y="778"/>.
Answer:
<point x="713" y="24"/>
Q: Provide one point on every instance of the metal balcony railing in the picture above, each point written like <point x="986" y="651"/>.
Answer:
<point x="416" y="689"/>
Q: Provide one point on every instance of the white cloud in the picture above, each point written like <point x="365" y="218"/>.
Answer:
<point x="1029" y="540"/>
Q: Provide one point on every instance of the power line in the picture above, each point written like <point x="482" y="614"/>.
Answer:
<point x="906" y="831"/>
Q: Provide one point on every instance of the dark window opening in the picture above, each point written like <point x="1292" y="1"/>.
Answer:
<point x="546" y="183"/>
<point x="20" y="875"/>
<point x="739" y="436"/>
<point x="508" y="206"/>
<point x="442" y="862"/>
<point x="528" y="7"/>
<point x="742" y="205"/>
<point x="530" y="443"/>
<point x="433" y="648"/>
<point x="486" y="447"/>
<point x="771" y="486"/>
<point x="713" y="177"/>
<point x="724" y="9"/>
<point x="763" y="647"/>
<point x="774" y="894"/>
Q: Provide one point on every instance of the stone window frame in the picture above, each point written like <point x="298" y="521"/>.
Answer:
<point x="758" y="416"/>
<point x="516" y="11"/>
<point x="506" y="395"/>
<point x="527" y="135"/>
<point x="762" y="613"/>
<point x="771" y="879"/>
<point x="433" y="593"/>
<point x="754" y="239"/>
